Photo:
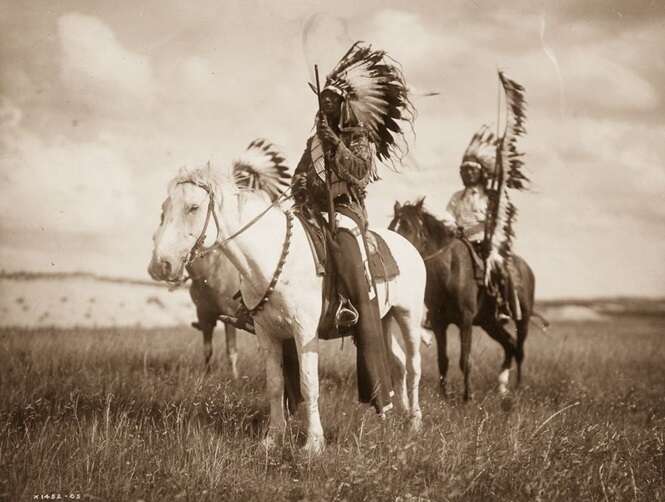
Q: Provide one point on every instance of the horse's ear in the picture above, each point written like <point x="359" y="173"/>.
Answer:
<point x="397" y="207"/>
<point x="420" y="203"/>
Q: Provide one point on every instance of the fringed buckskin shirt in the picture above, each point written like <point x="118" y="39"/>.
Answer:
<point x="468" y="209"/>
<point x="350" y="161"/>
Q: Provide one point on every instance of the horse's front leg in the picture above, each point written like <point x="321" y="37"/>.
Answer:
<point x="308" y="355"/>
<point x="441" y="333"/>
<point x="206" y="324"/>
<point x="272" y="354"/>
<point x="232" y="349"/>
<point x="465" y="333"/>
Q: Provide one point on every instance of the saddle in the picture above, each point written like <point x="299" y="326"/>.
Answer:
<point x="476" y="250"/>
<point x="505" y="288"/>
<point x="337" y="315"/>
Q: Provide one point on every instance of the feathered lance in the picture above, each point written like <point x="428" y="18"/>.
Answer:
<point x="493" y="206"/>
<point x="507" y="174"/>
<point x="326" y="162"/>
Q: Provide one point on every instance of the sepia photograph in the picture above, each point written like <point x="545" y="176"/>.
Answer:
<point x="308" y="250"/>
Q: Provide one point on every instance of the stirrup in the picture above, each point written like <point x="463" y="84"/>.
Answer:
<point x="346" y="315"/>
<point x="503" y="318"/>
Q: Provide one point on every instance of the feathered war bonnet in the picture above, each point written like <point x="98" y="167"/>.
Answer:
<point x="262" y="167"/>
<point x="375" y="97"/>
<point x="481" y="151"/>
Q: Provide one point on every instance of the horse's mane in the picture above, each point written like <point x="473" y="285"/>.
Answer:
<point x="261" y="168"/>
<point x="435" y="227"/>
<point x="206" y="176"/>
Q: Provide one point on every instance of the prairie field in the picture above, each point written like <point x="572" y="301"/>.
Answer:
<point x="129" y="414"/>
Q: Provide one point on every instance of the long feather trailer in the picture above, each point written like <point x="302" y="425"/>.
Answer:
<point x="508" y="174"/>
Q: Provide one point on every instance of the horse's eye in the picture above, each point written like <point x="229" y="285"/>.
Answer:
<point x="192" y="209"/>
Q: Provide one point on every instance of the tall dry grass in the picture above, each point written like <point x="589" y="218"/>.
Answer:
<point x="129" y="415"/>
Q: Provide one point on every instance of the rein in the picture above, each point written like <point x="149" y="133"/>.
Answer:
<point x="276" y="274"/>
<point x="198" y="251"/>
<point x="434" y="254"/>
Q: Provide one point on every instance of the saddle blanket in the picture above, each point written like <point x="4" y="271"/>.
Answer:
<point x="382" y="264"/>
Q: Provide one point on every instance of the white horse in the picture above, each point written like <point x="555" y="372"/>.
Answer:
<point x="214" y="280"/>
<point x="280" y="286"/>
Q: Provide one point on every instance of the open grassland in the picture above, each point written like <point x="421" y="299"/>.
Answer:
<point x="128" y="414"/>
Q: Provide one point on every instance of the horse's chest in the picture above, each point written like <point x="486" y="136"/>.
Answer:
<point x="277" y="318"/>
<point x="214" y="296"/>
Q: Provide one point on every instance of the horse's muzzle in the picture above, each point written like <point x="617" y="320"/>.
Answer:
<point x="161" y="269"/>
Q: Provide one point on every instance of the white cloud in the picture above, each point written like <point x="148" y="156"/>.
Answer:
<point x="60" y="185"/>
<point x="10" y="116"/>
<point x="594" y="80"/>
<point x="412" y="41"/>
<point x="97" y="69"/>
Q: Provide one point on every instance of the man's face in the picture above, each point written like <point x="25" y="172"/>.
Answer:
<point x="330" y="102"/>
<point x="471" y="174"/>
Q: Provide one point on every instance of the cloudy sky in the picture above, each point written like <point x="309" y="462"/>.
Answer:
<point x="102" y="102"/>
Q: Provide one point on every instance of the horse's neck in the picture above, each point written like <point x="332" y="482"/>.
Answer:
<point x="435" y="241"/>
<point x="254" y="249"/>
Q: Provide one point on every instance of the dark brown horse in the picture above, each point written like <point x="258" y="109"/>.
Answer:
<point x="453" y="296"/>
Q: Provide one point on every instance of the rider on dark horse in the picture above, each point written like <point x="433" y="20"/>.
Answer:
<point x="336" y="166"/>
<point x="468" y="210"/>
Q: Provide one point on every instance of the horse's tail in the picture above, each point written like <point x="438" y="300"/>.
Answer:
<point x="543" y="320"/>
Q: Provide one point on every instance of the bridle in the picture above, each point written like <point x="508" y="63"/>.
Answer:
<point x="198" y="250"/>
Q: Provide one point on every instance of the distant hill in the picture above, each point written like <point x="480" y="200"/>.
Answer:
<point x="80" y="299"/>
<point x="611" y="306"/>
<point x="32" y="276"/>
<point x="84" y="299"/>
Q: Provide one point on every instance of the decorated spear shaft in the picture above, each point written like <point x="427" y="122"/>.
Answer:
<point x="326" y="163"/>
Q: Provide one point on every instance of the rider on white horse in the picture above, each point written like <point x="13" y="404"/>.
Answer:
<point x="363" y="98"/>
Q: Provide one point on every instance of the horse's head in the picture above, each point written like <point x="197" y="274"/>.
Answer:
<point x="196" y="198"/>
<point x="186" y="214"/>
<point x="408" y="222"/>
<point x="419" y="227"/>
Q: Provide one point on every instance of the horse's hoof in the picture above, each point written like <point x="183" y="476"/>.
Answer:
<point x="416" y="423"/>
<point x="269" y="442"/>
<point x="507" y="403"/>
<point x="314" y="446"/>
<point x="504" y="378"/>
